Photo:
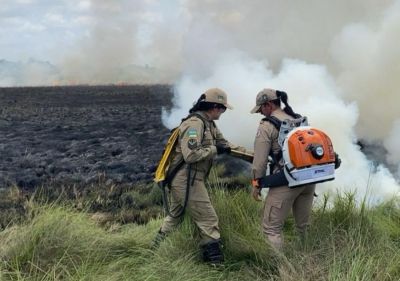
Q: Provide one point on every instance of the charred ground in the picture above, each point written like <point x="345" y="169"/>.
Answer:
<point x="79" y="134"/>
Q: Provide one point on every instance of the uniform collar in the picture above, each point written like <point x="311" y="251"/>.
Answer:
<point x="204" y="115"/>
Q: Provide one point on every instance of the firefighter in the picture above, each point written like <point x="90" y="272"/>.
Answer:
<point x="199" y="142"/>
<point x="280" y="200"/>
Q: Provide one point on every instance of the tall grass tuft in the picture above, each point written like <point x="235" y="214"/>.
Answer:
<point x="347" y="240"/>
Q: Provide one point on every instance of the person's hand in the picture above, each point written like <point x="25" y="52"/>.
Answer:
<point x="256" y="191"/>
<point x="221" y="149"/>
<point x="338" y="161"/>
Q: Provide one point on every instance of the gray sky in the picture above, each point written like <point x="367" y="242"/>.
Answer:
<point x="42" y="30"/>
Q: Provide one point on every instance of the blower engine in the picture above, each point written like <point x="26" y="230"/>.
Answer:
<point x="307" y="153"/>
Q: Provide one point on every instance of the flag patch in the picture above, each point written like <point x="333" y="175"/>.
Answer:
<point x="192" y="133"/>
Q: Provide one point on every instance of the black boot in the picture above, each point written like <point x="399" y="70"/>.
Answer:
<point x="157" y="240"/>
<point x="212" y="252"/>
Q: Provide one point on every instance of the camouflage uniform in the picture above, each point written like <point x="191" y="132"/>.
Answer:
<point x="281" y="199"/>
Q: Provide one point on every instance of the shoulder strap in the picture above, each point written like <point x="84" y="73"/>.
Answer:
<point x="276" y="157"/>
<point x="274" y="121"/>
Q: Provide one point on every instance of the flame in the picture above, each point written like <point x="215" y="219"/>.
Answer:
<point x="122" y="84"/>
<point x="56" y="83"/>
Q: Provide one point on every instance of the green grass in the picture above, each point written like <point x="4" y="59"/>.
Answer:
<point x="110" y="203"/>
<point x="348" y="240"/>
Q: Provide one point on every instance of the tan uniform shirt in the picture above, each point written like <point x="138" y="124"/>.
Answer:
<point x="266" y="139"/>
<point x="198" y="144"/>
<point x="199" y="152"/>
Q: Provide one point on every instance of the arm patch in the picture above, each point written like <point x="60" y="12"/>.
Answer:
<point x="192" y="135"/>
<point x="192" y="143"/>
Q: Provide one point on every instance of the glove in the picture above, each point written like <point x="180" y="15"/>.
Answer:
<point x="221" y="149"/>
<point x="338" y="161"/>
<point x="256" y="192"/>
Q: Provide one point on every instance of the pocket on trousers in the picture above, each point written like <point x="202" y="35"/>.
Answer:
<point x="274" y="211"/>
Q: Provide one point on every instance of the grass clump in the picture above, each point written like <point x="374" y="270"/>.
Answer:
<point x="347" y="240"/>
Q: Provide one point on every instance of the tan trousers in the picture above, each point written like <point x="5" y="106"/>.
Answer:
<point x="198" y="207"/>
<point x="279" y="202"/>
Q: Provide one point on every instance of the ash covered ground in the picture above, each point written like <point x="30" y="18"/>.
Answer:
<point x="80" y="134"/>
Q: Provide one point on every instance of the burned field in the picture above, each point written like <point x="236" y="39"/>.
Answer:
<point x="94" y="147"/>
<point x="81" y="135"/>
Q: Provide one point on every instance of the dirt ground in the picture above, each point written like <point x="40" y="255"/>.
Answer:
<point x="81" y="134"/>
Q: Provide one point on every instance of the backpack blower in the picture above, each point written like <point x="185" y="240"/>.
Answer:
<point x="307" y="155"/>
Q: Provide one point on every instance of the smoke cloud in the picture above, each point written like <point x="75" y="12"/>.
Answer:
<point x="336" y="73"/>
<point x="312" y="92"/>
<point x="127" y="41"/>
<point x="108" y="45"/>
<point x="368" y="65"/>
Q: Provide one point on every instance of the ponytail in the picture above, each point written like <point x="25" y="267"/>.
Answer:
<point x="288" y="109"/>
<point x="197" y="105"/>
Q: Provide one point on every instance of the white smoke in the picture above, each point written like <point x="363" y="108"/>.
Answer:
<point x="391" y="143"/>
<point x="109" y="45"/>
<point x="129" y="42"/>
<point x="368" y="69"/>
<point x="312" y="92"/>
<point x="368" y="65"/>
<point x="270" y="29"/>
<point x="336" y="97"/>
